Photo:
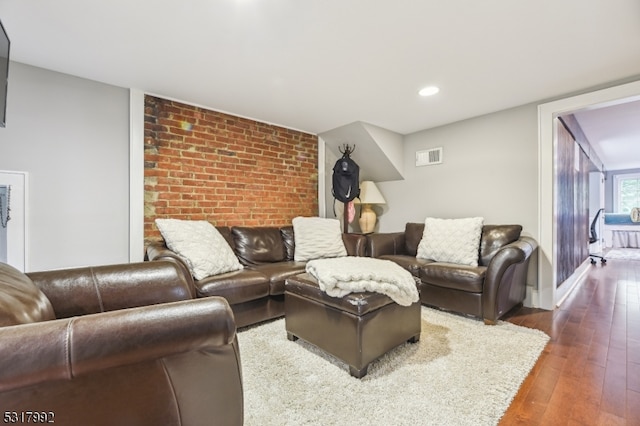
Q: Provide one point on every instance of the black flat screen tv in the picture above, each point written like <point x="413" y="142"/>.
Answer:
<point x="4" y="74"/>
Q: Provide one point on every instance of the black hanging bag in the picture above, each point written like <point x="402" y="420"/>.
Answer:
<point x="346" y="178"/>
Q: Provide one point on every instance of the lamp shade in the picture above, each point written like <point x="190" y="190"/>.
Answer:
<point x="369" y="194"/>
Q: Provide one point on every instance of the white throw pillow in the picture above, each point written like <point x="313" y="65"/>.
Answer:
<point x="317" y="237"/>
<point x="200" y="245"/>
<point x="451" y="240"/>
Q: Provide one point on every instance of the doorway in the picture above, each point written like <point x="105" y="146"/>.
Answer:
<point x="548" y="294"/>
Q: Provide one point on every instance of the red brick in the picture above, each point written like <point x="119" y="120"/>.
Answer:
<point x="225" y="169"/>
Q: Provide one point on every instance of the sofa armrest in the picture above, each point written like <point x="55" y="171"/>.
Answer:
<point x="67" y="348"/>
<point x="506" y="276"/>
<point x="159" y="251"/>
<point x="385" y="244"/>
<point x="90" y="290"/>
<point x="355" y="244"/>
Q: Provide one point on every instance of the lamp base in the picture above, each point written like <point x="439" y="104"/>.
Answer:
<point x="367" y="219"/>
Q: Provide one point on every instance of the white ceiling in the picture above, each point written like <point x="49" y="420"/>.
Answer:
<point x="315" y="65"/>
<point x="614" y="133"/>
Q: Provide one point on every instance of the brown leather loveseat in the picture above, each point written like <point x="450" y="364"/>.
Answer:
<point x="116" y="345"/>
<point x="255" y="293"/>
<point x="487" y="291"/>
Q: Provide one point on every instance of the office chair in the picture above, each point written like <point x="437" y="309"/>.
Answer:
<point x="593" y="238"/>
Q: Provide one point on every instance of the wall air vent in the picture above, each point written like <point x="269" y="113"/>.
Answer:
<point x="429" y="157"/>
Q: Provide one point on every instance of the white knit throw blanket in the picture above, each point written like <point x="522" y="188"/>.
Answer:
<point x="343" y="275"/>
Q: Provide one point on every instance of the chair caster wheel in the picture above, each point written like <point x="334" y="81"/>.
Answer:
<point x="593" y="262"/>
<point x="603" y="261"/>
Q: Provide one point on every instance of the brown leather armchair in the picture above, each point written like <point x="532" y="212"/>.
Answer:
<point x="487" y="291"/>
<point x="119" y="344"/>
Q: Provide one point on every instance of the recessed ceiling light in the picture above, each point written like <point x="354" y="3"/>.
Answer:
<point x="429" y="91"/>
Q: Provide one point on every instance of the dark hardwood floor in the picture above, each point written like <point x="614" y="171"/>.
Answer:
<point x="589" y="373"/>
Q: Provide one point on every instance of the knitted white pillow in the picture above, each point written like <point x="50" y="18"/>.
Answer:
<point x="200" y="245"/>
<point x="451" y="240"/>
<point x="317" y="237"/>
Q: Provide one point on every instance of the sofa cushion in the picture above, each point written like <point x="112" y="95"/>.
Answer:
<point x="236" y="286"/>
<point x="225" y="231"/>
<point x="455" y="276"/>
<point x="21" y="302"/>
<point x="451" y="240"/>
<point x="410" y="263"/>
<point x="317" y="237"/>
<point x="494" y="237"/>
<point x="200" y="245"/>
<point x="277" y="273"/>
<point x="289" y="241"/>
<point x="255" y="245"/>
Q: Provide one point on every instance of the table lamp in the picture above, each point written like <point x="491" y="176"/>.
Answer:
<point x="369" y="194"/>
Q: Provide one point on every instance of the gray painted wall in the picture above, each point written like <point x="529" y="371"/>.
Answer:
<point x="72" y="136"/>
<point x="489" y="169"/>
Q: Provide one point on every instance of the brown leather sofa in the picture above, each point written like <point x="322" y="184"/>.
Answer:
<point x="487" y="291"/>
<point x="255" y="293"/>
<point x="116" y="345"/>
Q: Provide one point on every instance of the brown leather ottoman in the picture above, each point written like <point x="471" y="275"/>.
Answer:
<point x="357" y="328"/>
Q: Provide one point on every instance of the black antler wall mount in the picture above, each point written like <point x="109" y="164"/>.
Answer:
<point x="346" y="149"/>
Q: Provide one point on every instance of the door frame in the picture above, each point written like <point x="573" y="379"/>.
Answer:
<point x="17" y="228"/>
<point x="548" y="294"/>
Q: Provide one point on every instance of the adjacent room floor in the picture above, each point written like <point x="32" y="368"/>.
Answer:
<point x="589" y="374"/>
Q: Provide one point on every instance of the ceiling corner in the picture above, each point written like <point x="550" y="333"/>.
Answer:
<point x="377" y="151"/>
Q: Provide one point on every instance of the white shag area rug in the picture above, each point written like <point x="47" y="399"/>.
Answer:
<point x="623" y="254"/>
<point x="461" y="372"/>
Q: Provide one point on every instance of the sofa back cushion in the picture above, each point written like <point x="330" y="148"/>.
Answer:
<point x="89" y="290"/>
<point x="225" y="231"/>
<point x="494" y="237"/>
<point x="289" y="241"/>
<point x="21" y="302"/>
<point x="413" y="235"/>
<point x="258" y="245"/>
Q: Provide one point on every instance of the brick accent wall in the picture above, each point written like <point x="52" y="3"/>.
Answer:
<point x="207" y="165"/>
